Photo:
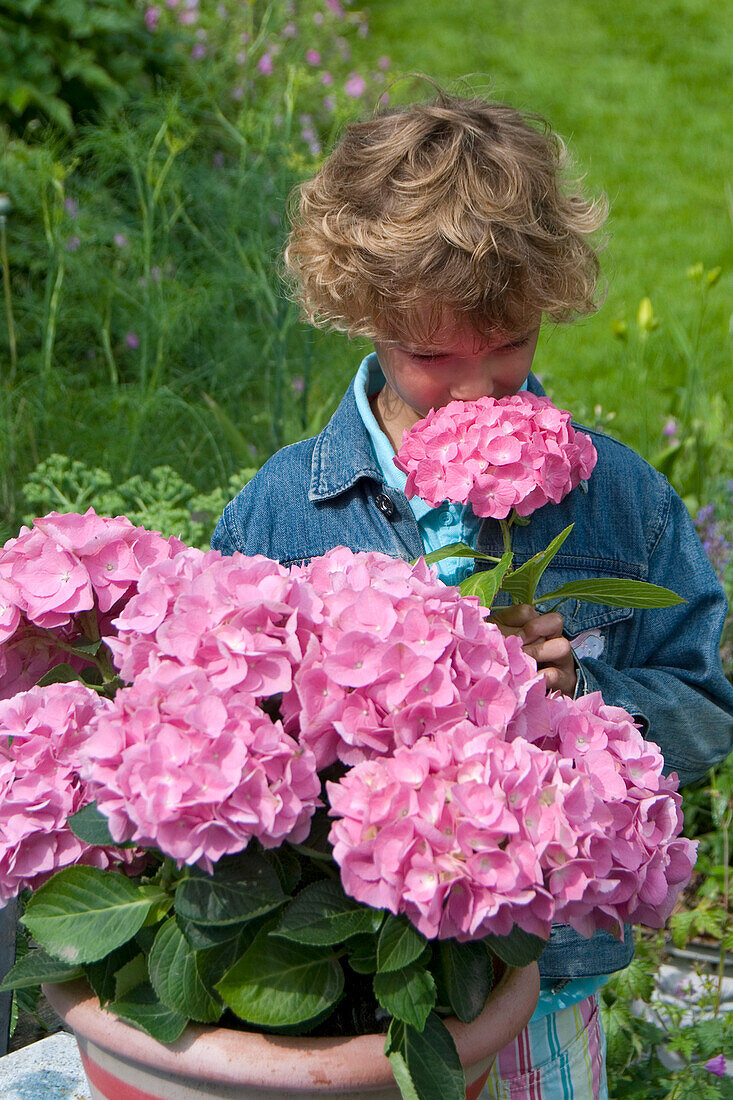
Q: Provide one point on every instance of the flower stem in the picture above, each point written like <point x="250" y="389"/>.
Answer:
<point x="505" y="525"/>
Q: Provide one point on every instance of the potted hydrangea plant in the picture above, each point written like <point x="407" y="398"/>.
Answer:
<point x="318" y="811"/>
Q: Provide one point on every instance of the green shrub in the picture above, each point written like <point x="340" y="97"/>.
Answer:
<point x="68" y="60"/>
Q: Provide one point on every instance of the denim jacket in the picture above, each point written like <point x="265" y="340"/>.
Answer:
<point x="662" y="665"/>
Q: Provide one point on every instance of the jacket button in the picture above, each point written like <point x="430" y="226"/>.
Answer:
<point x="385" y="505"/>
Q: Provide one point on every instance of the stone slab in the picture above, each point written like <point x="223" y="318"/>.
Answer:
<point x="50" y="1069"/>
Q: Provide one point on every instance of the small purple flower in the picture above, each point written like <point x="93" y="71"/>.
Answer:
<point x="152" y="18"/>
<point x="289" y="31"/>
<point x="218" y="159"/>
<point x="238" y="92"/>
<point x="70" y="207"/>
<point x="265" y="65"/>
<point x="171" y="4"/>
<point x="198" y="51"/>
<point x="336" y="8"/>
<point x="244" y="38"/>
<point x="72" y="244"/>
<point x="132" y="340"/>
<point x="313" y="57"/>
<point x="326" y="78"/>
<point x="188" y="18"/>
<point x="670" y="428"/>
<point x="241" y="58"/>
<point x="329" y="103"/>
<point x="298" y="384"/>
<point x="363" y="30"/>
<point x="120" y="240"/>
<point x="384" y="63"/>
<point x="156" y="274"/>
<point x="716" y="1065"/>
<point x="355" y="86"/>
<point x="318" y="18"/>
<point x="384" y="99"/>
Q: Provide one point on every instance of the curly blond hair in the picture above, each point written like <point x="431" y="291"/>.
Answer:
<point x="456" y="206"/>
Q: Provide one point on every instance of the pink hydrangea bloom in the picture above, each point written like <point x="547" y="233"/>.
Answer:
<point x="396" y="655"/>
<point x="175" y="764"/>
<point x="516" y="452"/>
<point x="66" y="567"/>
<point x="245" y="620"/>
<point x="41" y="735"/>
<point x="473" y="828"/>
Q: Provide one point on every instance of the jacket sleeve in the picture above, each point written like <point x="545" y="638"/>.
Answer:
<point x="672" y="680"/>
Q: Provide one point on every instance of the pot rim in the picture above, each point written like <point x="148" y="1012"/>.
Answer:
<point x="226" y="1055"/>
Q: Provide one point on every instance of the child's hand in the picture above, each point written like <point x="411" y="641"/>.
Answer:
<point x="542" y="639"/>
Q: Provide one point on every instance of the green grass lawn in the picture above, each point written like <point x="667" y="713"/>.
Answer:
<point x="641" y="91"/>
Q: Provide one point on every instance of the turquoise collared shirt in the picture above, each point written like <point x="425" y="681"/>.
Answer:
<point x="440" y="527"/>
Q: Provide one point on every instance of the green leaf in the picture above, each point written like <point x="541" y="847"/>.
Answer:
<point x="82" y="913"/>
<point x="277" y="983"/>
<point x="521" y="583"/>
<point x="287" y="866"/>
<point x="204" y="936"/>
<point x="431" y="1058"/>
<point x="59" y="674"/>
<point x="102" y="975"/>
<point x="323" y="914"/>
<point x="142" y="1008"/>
<point x="487" y="583"/>
<point x="237" y="892"/>
<point x="402" y="1076"/>
<point x="37" y="967"/>
<point x="614" y="593"/>
<point x="407" y="994"/>
<point x="399" y="944"/>
<point x="92" y="827"/>
<point x="363" y="954"/>
<point x="176" y="976"/>
<point x="455" y="550"/>
<point x="468" y="975"/>
<point x="519" y="948"/>
<point x="132" y="974"/>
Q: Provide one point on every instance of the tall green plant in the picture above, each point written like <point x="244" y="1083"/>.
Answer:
<point x="65" y="60"/>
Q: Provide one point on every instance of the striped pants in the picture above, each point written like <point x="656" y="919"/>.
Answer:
<point x="561" y="1056"/>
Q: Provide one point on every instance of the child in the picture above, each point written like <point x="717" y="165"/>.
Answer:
<point x="445" y="233"/>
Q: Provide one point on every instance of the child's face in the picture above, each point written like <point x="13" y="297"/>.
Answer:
<point x="457" y="365"/>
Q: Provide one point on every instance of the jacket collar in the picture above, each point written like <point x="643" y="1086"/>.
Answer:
<point x="343" y="454"/>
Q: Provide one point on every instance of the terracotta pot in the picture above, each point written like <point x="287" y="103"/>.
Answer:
<point x="123" y="1063"/>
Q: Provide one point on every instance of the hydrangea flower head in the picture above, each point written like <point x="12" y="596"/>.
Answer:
<point x="41" y="734"/>
<point x="396" y="655"/>
<point x="496" y="454"/>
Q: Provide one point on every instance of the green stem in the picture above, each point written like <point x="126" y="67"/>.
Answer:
<point x="8" y="298"/>
<point x="51" y="321"/>
<point x="506" y="533"/>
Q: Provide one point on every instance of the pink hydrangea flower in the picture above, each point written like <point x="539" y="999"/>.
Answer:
<point x="41" y="735"/>
<point x="469" y="833"/>
<point x="516" y="452"/>
<point x="65" y="567"/>
<point x="175" y="764"/>
<point x="396" y="654"/>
